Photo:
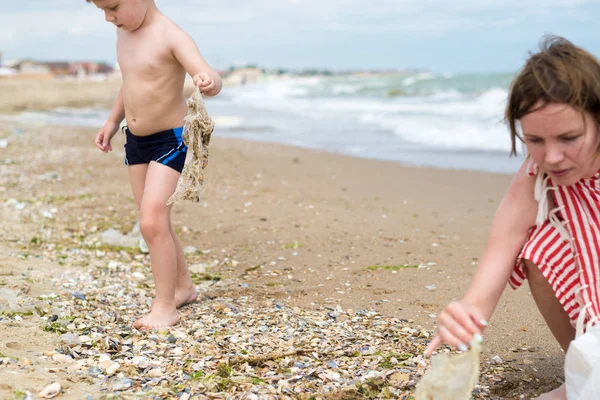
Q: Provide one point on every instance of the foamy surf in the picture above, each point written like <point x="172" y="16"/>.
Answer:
<point x="447" y="121"/>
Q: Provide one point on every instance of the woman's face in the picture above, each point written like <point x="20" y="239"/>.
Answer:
<point x="561" y="143"/>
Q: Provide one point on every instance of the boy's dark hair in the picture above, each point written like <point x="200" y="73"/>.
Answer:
<point x="559" y="73"/>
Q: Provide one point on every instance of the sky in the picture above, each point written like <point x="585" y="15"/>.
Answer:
<point x="438" y="35"/>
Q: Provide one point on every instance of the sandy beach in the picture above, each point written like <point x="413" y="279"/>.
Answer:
<point x="308" y="231"/>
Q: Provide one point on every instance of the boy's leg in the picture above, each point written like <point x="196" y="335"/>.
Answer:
<point x="555" y="316"/>
<point x="137" y="179"/>
<point x="155" y="225"/>
<point x="185" y="291"/>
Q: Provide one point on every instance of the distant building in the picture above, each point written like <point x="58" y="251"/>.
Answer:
<point x="26" y="69"/>
<point x="10" y="63"/>
<point x="51" y="69"/>
<point x="58" y="68"/>
<point x="243" y="76"/>
<point x="85" y="68"/>
<point x="32" y="68"/>
<point x="6" y="72"/>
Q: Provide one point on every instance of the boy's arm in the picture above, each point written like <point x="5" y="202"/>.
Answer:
<point x="111" y="126"/>
<point x="188" y="55"/>
<point x="117" y="113"/>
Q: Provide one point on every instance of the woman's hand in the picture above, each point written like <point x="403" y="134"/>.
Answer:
<point x="460" y="325"/>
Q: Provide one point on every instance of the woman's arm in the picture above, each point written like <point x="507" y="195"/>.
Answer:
<point x="464" y="320"/>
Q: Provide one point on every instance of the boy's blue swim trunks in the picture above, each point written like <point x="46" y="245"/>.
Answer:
<point x="164" y="147"/>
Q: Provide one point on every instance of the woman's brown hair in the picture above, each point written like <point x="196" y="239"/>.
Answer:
<point x="559" y="73"/>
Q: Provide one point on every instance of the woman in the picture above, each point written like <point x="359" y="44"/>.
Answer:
<point x="547" y="228"/>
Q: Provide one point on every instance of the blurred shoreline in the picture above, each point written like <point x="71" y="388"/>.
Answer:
<point x="449" y="122"/>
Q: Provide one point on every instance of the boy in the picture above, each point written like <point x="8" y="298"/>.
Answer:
<point x="154" y="55"/>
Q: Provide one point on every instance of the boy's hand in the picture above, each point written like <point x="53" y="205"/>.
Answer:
<point x="204" y="82"/>
<point x="105" y="135"/>
<point x="458" y="325"/>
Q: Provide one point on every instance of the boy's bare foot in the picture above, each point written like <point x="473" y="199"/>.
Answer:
<point x="182" y="297"/>
<point x="185" y="296"/>
<point x="556" y="394"/>
<point x="159" y="316"/>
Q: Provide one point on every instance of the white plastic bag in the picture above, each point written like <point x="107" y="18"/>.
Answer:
<point x="451" y="376"/>
<point x="582" y="366"/>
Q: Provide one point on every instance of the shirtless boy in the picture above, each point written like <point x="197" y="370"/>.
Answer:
<point x="154" y="55"/>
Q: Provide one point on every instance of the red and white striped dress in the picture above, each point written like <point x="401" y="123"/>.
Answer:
<point x="565" y="244"/>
